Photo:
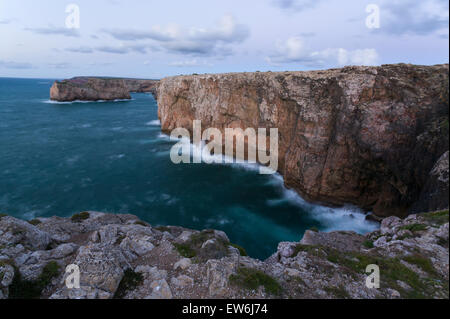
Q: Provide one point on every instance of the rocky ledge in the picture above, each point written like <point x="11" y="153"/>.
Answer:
<point x="375" y="137"/>
<point x="120" y="256"/>
<point x="95" y="89"/>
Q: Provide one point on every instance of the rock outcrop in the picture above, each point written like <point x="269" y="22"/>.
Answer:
<point x="120" y="256"/>
<point x="368" y="136"/>
<point x="95" y="89"/>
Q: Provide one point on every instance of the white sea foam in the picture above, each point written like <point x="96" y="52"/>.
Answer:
<point x="154" y="123"/>
<point x="343" y="218"/>
<point x="84" y="102"/>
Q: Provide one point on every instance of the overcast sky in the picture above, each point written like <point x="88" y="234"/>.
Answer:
<point x="153" y="39"/>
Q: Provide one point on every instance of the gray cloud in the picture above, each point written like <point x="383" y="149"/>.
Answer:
<point x="121" y="49"/>
<point x="413" y="17"/>
<point x="191" y="41"/>
<point x="124" y="49"/>
<point x="60" y="65"/>
<point x="134" y="35"/>
<point x="15" y="65"/>
<point x="297" y="5"/>
<point x="80" y="50"/>
<point x="55" y="31"/>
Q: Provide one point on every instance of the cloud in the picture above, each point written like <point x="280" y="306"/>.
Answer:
<point x="124" y="49"/>
<point x="119" y="49"/>
<point x="15" y="65"/>
<point x="60" y="65"/>
<point x="297" y="5"/>
<point x="55" y="31"/>
<point x="413" y="17"/>
<point x="189" y="63"/>
<point x="193" y="41"/>
<point x="294" y="50"/>
<point x="5" y="21"/>
<point x="80" y="50"/>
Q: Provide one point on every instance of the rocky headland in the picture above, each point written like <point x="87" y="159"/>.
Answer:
<point x="96" y="88"/>
<point x="375" y="137"/>
<point x="120" y="256"/>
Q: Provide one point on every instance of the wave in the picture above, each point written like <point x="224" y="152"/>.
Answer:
<point x="154" y="123"/>
<point x="199" y="155"/>
<point x="85" y="102"/>
<point x="347" y="217"/>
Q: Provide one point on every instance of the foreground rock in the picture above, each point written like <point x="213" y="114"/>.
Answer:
<point x="122" y="257"/>
<point x="95" y="89"/>
<point x="370" y="136"/>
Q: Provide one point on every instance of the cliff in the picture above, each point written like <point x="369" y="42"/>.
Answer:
<point x="120" y="256"/>
<point x="368" y="136"/>
<point x="95" y="89"/>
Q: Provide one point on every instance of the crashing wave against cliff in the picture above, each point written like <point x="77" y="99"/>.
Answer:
<point x="368" y="136"/>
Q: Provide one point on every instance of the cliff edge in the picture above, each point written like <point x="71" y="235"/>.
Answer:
<point x="368" y="136"/>
<point x="119" y="256"/>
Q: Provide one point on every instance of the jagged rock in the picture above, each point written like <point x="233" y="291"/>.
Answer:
<point x="182" y="281"/>
<point x="343" y="241"/>
<point x="182" y="264"/>
<point x="114" y="249"/>
<point x="350" y="135"/>
<point x="435" y="193"/>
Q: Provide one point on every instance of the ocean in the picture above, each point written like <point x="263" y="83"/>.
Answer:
<point x="64" y="158"/>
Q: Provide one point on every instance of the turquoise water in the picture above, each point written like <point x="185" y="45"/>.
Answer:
<point x="63" y="158"/>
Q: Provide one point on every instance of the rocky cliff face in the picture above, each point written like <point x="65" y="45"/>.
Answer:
<point x="94" y="89"/>
<point x="120" y="256"/>
<point x="368" y="136"/>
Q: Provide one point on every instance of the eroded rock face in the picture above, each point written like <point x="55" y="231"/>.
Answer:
<point x="173" y="262"/>
<point x="368" y="136"/>
<point x="94" y="89"/>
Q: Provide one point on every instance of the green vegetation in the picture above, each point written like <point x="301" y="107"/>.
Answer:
<point x="368" y="244"/>
<point x="163" y="229"/>
<point x="2" y="215"/>
<point x="314" y="229"/>
<point x="32" y="289"/>
<point x="185" y="250"/>
<point x="312" y="250"/>
<point x="338" y="292"/>
<point x="437" y="218"/>
<point x="423" y="262"/>
<point x="193" y="247"/>
<point x="130" y="281"/>
<point x="140" y="222"/>
<point x="393" y="269"/>
<point x="34" y="222"/>
<point x="252" y="279"/>
<point x="78" y="218"/>
<point x="241" y="249"/>
<point x="415" y="227"/>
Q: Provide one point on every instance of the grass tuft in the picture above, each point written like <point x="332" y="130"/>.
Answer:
<point x="249" y="278"/>
<point x="130" y="281"/>
<point x="32" y="289"/>
<point x="78" y="218"/>
<point x="241" y="249"/>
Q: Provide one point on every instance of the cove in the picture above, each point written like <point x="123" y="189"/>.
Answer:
<point x="63" y="158"/>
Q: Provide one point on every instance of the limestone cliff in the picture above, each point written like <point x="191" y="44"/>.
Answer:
<point x="368" y="136"/>
<point x="94" y="88"/>
<point x="120" y="256"/>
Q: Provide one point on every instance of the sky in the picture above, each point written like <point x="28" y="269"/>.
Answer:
<point x="154" y="39"/>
